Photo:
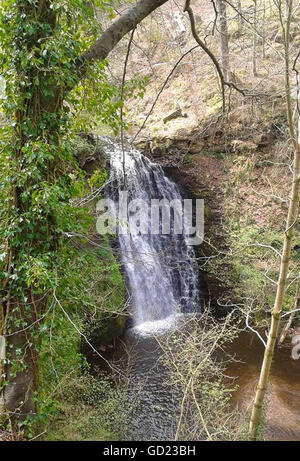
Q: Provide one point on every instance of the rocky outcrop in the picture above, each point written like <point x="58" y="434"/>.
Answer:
<point x="176" y="114"/>
<point x="90" y="152"/>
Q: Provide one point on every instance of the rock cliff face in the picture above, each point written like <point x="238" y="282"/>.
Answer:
<point x="210" y="163"/>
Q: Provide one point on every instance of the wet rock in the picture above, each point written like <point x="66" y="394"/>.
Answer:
<point x="90" y="152"/>
<point x="142" y="145"/>
<point x="109" y="328"/>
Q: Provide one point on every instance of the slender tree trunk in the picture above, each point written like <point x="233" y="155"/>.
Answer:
<point x="286" y="251"/>
<point x="254" y="38"/>
<point x="240" y="19"/>
<point x="263" y="32"/>
<point x="275" y="322"/>
<point x="221" y="6"/>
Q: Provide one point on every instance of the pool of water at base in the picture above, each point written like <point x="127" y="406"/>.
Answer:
<point x="282" y="418"/>
<point x="156" y="414"/>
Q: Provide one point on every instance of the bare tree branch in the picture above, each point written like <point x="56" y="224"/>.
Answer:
<point x="224" y="83"/>
<point x="116" y="31"/>
<point x="162" y="89"/>
<point x="189" y="10"/>
<point x="122" y="100"/>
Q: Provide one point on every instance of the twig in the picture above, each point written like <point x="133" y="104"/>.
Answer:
<point x="254" y="331"/>
<point x="122" y="102"/>
<point x="161" y="90"/>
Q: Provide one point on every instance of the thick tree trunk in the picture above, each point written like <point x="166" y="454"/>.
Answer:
<point x="21" y="310"/>
<point x="124" y="24"/>
<point x="18" y="393"/>
<point x="21" y="340"/>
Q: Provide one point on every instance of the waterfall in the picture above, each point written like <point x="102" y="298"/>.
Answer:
<point x="160" y="270"/>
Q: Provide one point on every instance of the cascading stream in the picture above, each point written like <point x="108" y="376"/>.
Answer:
<point x="161" y="272"/>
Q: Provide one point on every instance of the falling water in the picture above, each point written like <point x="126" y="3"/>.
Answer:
<point x="161" y="273"/>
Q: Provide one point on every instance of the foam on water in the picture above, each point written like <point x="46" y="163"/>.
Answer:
<point x="157" y="326"/>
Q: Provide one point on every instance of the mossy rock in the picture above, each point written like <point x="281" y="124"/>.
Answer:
<point x="90" y="152"/>
<point x="108" y="329"/>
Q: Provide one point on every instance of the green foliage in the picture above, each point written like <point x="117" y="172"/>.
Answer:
<point x="39" y="65"/>
<point x="49" y="284"/>
<point x="95" y="101"/>
<point x="97" y="179"/>
<point x="90" y="409"/>
<point x="89" y="293"/>
<point x="93" y="287"/>
<point x="255" y="264"/>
